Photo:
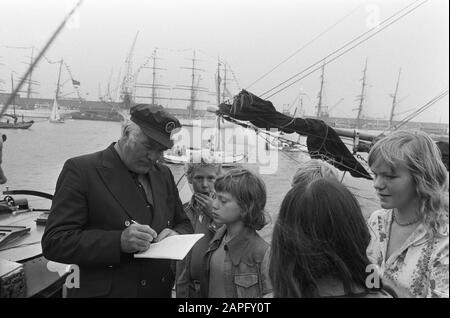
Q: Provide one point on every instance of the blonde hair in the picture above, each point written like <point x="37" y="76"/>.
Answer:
<point x="417" y="152"/>
<point x="312" y="170"/>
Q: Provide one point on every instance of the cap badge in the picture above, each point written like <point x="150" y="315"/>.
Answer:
<point x="170" y="126"/>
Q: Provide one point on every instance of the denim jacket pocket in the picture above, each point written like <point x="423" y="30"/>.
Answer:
<point x="247" y="285"/>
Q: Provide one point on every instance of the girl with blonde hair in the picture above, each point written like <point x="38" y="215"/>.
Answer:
<point x="409" y="235"/>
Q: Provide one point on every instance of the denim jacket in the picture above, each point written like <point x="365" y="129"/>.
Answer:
<point x="248" y="276"/>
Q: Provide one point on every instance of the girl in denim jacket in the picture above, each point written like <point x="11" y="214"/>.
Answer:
<point x="237" y="261"/>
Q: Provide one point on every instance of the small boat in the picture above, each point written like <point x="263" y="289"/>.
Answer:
<point x="54" y="115"/>
<point x="15" y="124"/>
<point x="210" y="154"/>
<point x="111" y="115"/>
<point x="204" y="155"/>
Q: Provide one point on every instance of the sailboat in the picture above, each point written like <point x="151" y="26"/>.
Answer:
<point x="213" y="152"/>
<point x="210" y="154"/>
<point x="15" y="124"/>
<point x="54" y="115"/>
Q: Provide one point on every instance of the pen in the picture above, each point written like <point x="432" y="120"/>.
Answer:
<point x="134" y="222"/>
<point x="21" y="211"/>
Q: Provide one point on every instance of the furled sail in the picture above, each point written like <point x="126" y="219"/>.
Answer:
<point x="322" y="141"/>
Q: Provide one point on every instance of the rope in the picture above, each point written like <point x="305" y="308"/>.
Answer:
<point x="303" y="47"/>
<point x="322" y="61"/>
<point x="417" y="112"/>
<point x="324" y="156"/>
<point x="38" y="58"/>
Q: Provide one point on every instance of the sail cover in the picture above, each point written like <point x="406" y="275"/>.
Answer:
<point x="322" y="141"/>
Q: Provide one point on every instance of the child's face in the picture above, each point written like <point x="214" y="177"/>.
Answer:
<point x="202" y="179"/>
<point x="225" y="209"/>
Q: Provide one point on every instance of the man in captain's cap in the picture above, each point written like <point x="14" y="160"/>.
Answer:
<point x="111" y="204"/>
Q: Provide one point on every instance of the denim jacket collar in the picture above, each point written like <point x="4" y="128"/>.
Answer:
<point x="236" y="247"/>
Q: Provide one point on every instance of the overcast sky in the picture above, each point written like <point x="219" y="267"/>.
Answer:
<point x="252" y="36"/>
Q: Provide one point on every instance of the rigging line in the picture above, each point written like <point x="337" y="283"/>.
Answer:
<point x="289" y="157"/>
<point x="284" y="153"/>
<point x="417" y="112"/>
<point x="354" y="40"/>
<point x="38" y="58"/>
<point x="330" y="159"/>
<point x="303" y="47"/>
<point x="348" y="43"/>
<point x="325" y="137"/>
<point x="423" y="108"/>
<point x="335" y="58"/>
<point x="282" y="139"/>
<point x="80" y="99"/>
<point x="289" y="129"/>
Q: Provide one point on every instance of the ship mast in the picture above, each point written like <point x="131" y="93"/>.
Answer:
<point x="322" y="111"/>
<point x="29" y="79"/>
<point x="127" y="83"/>
<point x="224" y="83"/>
<point x="30" y="82"/>
<point x="193" y="88"/>
<point x="361" y="99"/>
<point x="218" y="139"/>
<point x="394" y="100"/>
<point x="14" y="97"/>
<point x="59" y="80"/>
<point x="154" y="86"/>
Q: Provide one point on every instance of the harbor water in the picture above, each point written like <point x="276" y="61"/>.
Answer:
<point x="33" y="159"/>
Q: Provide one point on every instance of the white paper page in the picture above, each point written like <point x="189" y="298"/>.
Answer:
<point x="173" y="247"/>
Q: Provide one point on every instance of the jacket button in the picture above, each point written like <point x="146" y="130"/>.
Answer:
<point x="148" y="206"/>
<point x="143" y="282"/>
<point x="163" y="280"/>
<point x="127" y="223"/>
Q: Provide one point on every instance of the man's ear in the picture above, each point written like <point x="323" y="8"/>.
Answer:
<point x="127" y="132"/>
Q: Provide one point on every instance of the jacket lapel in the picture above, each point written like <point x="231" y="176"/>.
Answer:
<point x="117" y="179"/>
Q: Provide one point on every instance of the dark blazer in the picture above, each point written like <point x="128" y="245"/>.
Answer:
<point x="95" y="199"/>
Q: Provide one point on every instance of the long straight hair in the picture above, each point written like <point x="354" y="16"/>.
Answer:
<point x="320" y="233"/>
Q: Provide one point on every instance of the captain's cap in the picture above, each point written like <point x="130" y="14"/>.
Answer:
<point x="155" y="122"/>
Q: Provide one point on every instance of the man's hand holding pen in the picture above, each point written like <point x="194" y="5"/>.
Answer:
<point x="137" y="238"/>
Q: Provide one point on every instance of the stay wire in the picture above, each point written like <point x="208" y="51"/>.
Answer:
<point x="320" y="154"/>
<point x="323" y="62"/>
<point x="303" y="47"/>
<point x="38" y="58"/>
<point x="417" y="112"/>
